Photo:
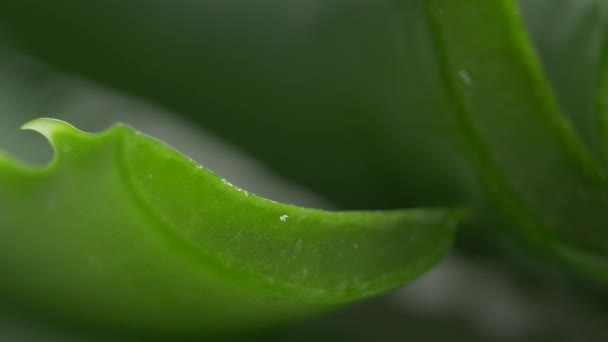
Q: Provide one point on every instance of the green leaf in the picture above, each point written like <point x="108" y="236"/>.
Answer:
<point x="121" y="231"/>
<point x="349" y="98"/>
<point x="342" y="96"/>
<point x="532" y="162"/>
<point x="570" y="37"/>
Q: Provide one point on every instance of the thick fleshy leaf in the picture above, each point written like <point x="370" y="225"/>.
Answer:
<point x="347" y="97"/>
<point x="534" y="165"/>
<point x="123" y="232"/>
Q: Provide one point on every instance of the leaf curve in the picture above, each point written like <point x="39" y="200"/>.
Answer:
<point x="358" y="76"/>
<point x="572" y="33"/>
<point x="122" y="231"/>
<point x="534" y="165"/>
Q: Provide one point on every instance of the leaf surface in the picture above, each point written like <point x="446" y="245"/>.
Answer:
<point x="369" y="103"/>
<point x="122" y="231"/>
<point x="533" y="163"/>
<point x="571" y="39"/>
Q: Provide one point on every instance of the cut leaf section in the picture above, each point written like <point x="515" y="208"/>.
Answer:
<point x="120" y="230"/>
<point x="534" y="165"/>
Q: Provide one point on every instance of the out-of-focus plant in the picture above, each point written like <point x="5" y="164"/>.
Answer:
<point x="494" y="105"/>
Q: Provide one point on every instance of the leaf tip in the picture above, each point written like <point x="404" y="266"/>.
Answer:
<point x="47" y="127"/>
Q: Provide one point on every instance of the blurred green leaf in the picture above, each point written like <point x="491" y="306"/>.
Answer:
<point x="534" y="166"/>
<point x="570" y="37"/>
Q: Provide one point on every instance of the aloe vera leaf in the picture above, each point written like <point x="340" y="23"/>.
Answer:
<point x="122" y="231"/>
<point x="534" y="165"/>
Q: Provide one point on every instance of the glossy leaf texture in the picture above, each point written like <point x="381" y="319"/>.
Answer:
<point x="388" y="103"/>
<point x="120" y="231"/>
